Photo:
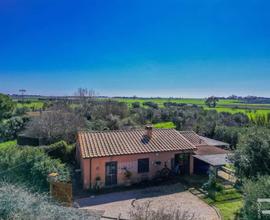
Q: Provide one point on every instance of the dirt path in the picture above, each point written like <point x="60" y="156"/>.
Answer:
<point x="169" y="198"/>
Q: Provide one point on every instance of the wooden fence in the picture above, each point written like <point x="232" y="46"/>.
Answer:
<point x="62" y="192"/>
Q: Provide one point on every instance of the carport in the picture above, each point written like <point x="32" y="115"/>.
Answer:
<point x="206" y="156"/>
<point x="203" y="162"/>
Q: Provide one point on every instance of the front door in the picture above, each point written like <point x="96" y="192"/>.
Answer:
<point x="111" y="174"/>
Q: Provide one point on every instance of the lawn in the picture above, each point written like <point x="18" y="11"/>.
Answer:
<point x="164" y="125"/>
<point x="229" y="203"/>
<point x="229" y="209"/>
<point x="8" y="144"/>
<point x="32" y="104"/>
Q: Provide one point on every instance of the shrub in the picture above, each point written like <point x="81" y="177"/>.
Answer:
<point x="212" y="186"/>
<point x="254" y="190"/>
<point x="136" y="105"/>
<point x="151" y="104"/>
<point x="61" y="150"/>
<point x="30" y="166"/>
<point x="19" y="203"/>
<point x="144" y="212"/>
<point x="6" y="106"/>
<point x="10" y="128"/>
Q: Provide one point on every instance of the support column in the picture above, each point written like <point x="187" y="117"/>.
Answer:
<point x="191" y="164"/>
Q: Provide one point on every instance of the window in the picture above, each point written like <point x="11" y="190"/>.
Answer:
<point x="143" y="165"/>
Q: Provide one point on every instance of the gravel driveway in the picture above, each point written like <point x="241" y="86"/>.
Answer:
<point x="169" y="198"/>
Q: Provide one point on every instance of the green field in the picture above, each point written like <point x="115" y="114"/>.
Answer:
<point x="164" y="125"/>
<point x="224" y="105"/>
<point x="32" y="104"/>
<point x="8" y="144"/>
<point x="229" y="209"/>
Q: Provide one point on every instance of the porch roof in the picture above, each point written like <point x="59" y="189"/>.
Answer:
<point x="214" y="159"/>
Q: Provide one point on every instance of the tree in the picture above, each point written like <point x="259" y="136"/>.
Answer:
<point x="253" y="191"/>
<point x="6" y="106"/>
<point x="85" y="95"/>
<point x="135" y="105"/>
<point x="58" y="123"/>
<point x="227" y="134"/>
<point x="211" y="102"/>
<point x="151" y="104"/>
<point x="10" y="128"/>
<point x="252" y="156"/>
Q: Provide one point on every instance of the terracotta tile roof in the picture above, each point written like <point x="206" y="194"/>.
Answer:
<point x="210" y="150"/>
<point x="122" y="142"/>
<point x="193" y="138"/>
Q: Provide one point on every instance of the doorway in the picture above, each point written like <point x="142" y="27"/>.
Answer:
<point x="111" y="174"/>
<point x="181" y="163"/>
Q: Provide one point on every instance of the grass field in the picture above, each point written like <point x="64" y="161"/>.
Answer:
<point x="229" y="209"/>
<point x="32" y="104"/>
<point x="8" y="144"/>
<point x="224" y="105"/>
<point x="164" y="125"/>
<point x="229" y="203"/>
<point x="231" y="106"/>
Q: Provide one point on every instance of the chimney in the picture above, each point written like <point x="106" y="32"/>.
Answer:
<point x="149" y="131"/>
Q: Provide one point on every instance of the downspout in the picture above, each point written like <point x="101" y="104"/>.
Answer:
<point x="90" y="173"/>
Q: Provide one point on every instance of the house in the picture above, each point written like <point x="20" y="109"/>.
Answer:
<point x="105" y="157"/>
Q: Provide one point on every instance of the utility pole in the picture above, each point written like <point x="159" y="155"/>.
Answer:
<point x="22" y="91"/>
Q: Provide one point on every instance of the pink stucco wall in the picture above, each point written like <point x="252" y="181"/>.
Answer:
<point x="95" y="167"/>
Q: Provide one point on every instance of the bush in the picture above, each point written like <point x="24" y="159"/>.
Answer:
<point x="61" y="150"/>
<point x="30" y="166"/>
<point x="254" y="190"/>
<point x="136" y="105"/>
<point x="21" y="111"/>
<point x="6" y="106"/>
<point x="151" y="104"/>
<point x="10" y="128"/>
<point x="19" y="203"/>
<point x="144" y="212"/>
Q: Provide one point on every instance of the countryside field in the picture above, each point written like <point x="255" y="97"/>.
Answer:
<point x="224" y="105"/>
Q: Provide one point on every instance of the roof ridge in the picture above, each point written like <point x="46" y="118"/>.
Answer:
<point x="122" y="130"/>
<point x="188" y="131"/>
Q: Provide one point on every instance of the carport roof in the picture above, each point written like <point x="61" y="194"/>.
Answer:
<point x="213" y="142"/>
<point x="214" y="159"/>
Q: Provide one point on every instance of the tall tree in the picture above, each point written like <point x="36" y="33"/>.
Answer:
<point x="6" y="106"/>
<point x="211" y="102"/>
<point x="252" y="156"/>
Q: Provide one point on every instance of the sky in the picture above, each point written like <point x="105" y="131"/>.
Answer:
<point x="181" y="48"/>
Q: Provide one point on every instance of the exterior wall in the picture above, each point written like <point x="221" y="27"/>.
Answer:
<point x="96" y="167"/>
<point x="85" y="168"/>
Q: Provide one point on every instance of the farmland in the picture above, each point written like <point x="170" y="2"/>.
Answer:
<point x="224" y="105"/>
